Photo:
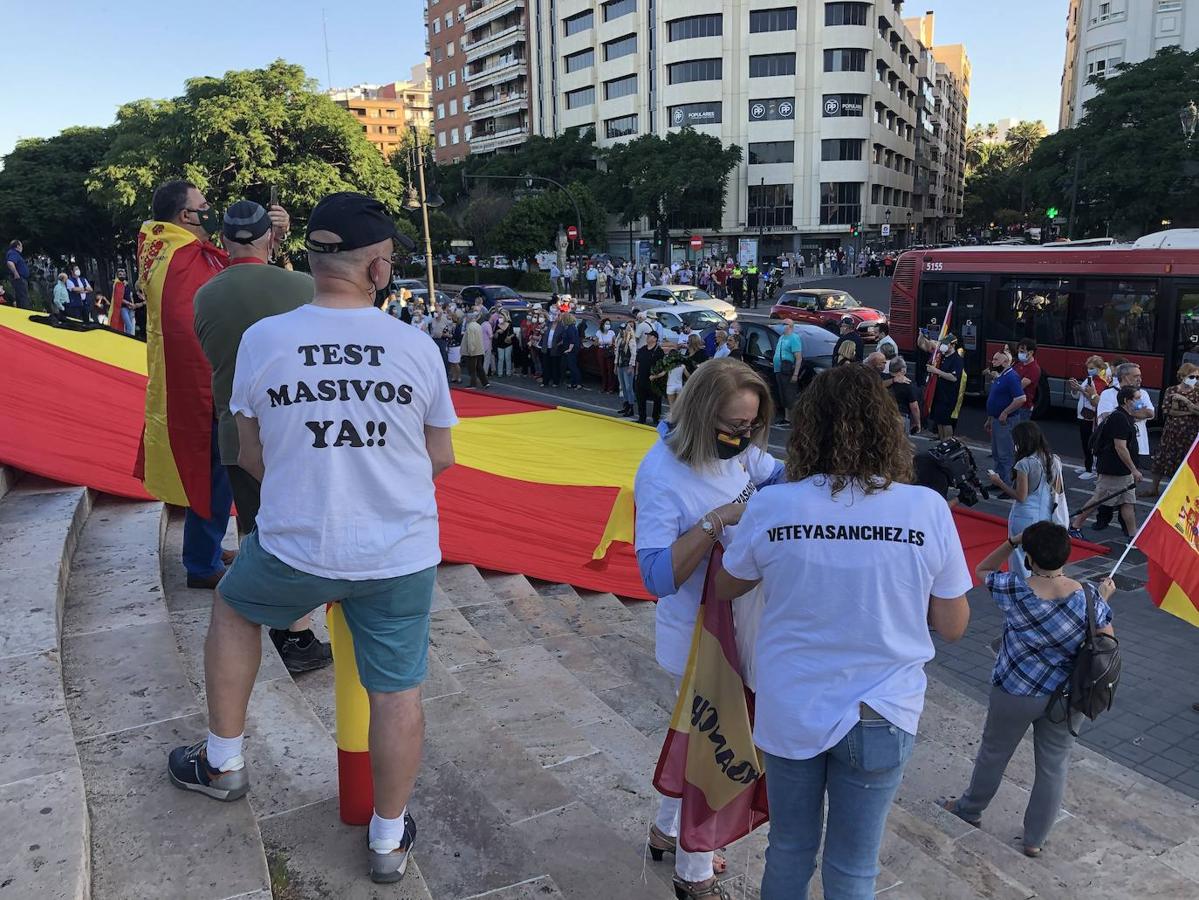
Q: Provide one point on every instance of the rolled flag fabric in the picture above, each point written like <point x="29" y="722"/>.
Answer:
<point x="114" y="313"/>
<point x="931" y="388"/>
<point x="1170" y="539"/>
<point x="709" y="758"/>
<point x="355" y="784"/>
<point x="174" y="462"/>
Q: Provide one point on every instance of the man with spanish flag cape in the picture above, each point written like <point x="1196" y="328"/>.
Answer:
<point x="178" y="460"/>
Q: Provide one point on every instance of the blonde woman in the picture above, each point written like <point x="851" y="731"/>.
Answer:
<point x="1087" y="393"/>
<point x="690" y="491"/>
<point x="1180" y="404"/>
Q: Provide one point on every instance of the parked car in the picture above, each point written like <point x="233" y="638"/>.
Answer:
<point x="444" y="298"/>
<point x="671" y="294"/>
<point x="673" y="318"/>
<point x="759" y="339"/>
<point x="410" y="284"/>
<point x="825" y="307"/>
<point x="491" y="294"/>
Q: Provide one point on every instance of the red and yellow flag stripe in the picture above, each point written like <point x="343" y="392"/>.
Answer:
<point x="1170" y="539"/>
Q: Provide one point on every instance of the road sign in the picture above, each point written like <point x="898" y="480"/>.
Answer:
<point x="462" y="243"/>
<point x="697" y="242"/>
<point x="572" y="232"/>
<point x="886" y="230"/>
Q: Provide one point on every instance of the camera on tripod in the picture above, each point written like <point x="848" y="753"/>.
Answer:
<point x="956" y="463"/>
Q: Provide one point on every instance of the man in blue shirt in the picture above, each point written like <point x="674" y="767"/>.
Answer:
<point x="1006" y="396"/>
<point x="18" y="273"/>
<point x="788" y="361"/>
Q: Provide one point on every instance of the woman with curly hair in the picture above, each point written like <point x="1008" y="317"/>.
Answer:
<point x="856" y="563"/>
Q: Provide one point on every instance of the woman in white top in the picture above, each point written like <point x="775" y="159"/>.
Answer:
<point x="605" y="338"/>
<point x="690" y="491"/>
<point x="856" y="563"/>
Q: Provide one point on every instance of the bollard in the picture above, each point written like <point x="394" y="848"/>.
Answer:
<point x="355" y="787"/>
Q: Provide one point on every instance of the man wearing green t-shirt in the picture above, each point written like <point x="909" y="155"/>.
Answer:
<point x="225" y="306"/>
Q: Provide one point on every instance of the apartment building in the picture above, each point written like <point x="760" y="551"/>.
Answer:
<point x="446" y="21"/>
<point x="387" y="110"/>
<point x="1101" y="34"/>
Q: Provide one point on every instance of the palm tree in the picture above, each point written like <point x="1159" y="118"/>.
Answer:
<point x="976" y="138"/>
<point x="1022" y="141"/>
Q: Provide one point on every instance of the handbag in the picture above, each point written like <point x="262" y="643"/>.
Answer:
<point x="1091" y="687"/>
<point x="1059" y="509"/>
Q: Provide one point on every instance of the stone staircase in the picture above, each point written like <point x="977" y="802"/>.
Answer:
<point x="545" y="713"/>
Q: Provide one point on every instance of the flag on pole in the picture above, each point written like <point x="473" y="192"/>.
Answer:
<point x="709" y="758"/>
<point x="931" y="387"/>
<point x="1170" y="539"/>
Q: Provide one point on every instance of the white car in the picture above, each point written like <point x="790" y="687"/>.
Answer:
<point x="673" y="318"/>
<point x="673" y="294"/>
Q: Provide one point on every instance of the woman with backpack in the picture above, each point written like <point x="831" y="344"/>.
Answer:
<point x="1045" y="628"/>
<point x="1036" y="479"/>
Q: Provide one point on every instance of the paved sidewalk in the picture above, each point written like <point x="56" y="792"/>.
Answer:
<point x="1151" y="728"/>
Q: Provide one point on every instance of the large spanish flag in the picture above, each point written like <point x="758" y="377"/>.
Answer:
<point x="175" y="458"/>
<point x="709" y="759"/>
<point x="1170" y="538"/>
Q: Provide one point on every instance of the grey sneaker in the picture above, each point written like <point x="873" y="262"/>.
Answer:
<point x="189" y="769"/>
<point x="389" y="860"/>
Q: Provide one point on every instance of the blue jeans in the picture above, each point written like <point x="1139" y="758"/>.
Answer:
<point x="627" y="393"/>
<point x="1023" y="414"/>
<point x="1003" y="451"/>
<point x="127" y="321"/>
<point x="202" y="537"/>
<point x="860" y="775"/>
<point x="572" y="367"/>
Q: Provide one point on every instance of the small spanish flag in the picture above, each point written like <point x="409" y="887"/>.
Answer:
<point x="709" y="758"/>
<point x="1170" y="538"/>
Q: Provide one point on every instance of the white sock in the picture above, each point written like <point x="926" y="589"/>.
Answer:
<point x="386" y="834"/>
<point x="225" y="753"/>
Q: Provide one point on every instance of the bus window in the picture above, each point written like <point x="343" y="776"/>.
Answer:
<point x="1187" y="350"/>
<point x="1117" y="315"/>
<point x="1032" y="307"/>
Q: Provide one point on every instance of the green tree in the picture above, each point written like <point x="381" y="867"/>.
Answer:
<point x="567" y="157"/>
<point x="235" y="136"/>
<point x="677" y="180"/>
<point x="43" y="200"/>
<point x="532" y="224"/>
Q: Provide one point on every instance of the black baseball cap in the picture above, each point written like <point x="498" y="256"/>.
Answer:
<point x="349" y="221"/>
<point x="245" y="222"/>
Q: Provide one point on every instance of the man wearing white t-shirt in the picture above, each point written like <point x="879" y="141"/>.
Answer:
<point x="1127" y="375"/>
<point x="343" y="414"/>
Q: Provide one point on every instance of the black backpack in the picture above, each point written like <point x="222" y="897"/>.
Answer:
<point x="1091" y="687"/>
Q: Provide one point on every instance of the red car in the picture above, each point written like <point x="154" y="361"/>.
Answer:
<point x="825" y="306"/>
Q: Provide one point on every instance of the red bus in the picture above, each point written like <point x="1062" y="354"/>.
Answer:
<point x="1139" y="302"/>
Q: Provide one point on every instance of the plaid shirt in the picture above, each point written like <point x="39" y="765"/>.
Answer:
<point x="1040" y="637"/>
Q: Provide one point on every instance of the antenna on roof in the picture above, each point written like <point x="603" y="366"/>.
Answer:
<point x="328" y="68"/>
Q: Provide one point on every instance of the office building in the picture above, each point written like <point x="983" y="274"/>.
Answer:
<point x="444" y="36"/>
<point x="1101" y="34"/>
<point x="387" y="110"/>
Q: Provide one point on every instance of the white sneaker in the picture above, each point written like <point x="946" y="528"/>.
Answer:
<point x="1086" y="476"/>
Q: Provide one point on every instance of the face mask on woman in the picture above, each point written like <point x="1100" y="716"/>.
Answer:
<point x="1190" y="381"/>
<point x="944" y="348"/>
<point x="730" y="445"/>
<point x="1092" y="371"/>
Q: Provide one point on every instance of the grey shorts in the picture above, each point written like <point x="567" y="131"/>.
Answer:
<point x="1109" y="484"/>
<point x="387" y="617"/>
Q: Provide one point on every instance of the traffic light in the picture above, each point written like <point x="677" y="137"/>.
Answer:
<point x="853" y="230"/>
<point x="1051" y="213"/>
<point x="657" y="239"/>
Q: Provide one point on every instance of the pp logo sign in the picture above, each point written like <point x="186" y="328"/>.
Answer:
<point x="786" y="110"/>
<point x="678" y="117"/>
<point x="757" y="111"/>
<point x="832" y="106"/>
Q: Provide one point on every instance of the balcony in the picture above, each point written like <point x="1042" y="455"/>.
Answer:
<point x="493" y="43"/>
<point x="486" y="11"/>
<point x="510" y="137"/>
<point x="504" y="69"/>
<point x="500" y="105"/>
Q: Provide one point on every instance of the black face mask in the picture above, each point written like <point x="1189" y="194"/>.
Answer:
<point x="381" y="296"/>
<point x="728" y="446"/>
<point x="996" y="368"/>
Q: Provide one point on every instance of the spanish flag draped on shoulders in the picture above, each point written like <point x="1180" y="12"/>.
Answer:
<point x="174" y="461"/>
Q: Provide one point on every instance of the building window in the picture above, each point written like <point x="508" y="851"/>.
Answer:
<point x="770" y="205"/>
<point x="441" y="110"/>
<point x="620" y="87"/>
<point x="838" y="149"/>
<point x="581" y="97"/>
<point x="781" y="19"/>
<point x="439" y="84"/>
<point x="437" y="26"/>
<point x="438" y="54"/>
<point x="578" y="22"/>
<point x="621" y="46"/>
<point x="440" y="137"/>
<point x="767" y="152"/>
<point x="466" y="133"/>
<point x="454" y="136"/>
<point x="695" y="114"/>
<point x="840" y="203"/>
<point x="614" y="9"/>
<point x="449" y="49"/>
<point x="1106" y="11"/>
<point x="771" y="64"/>
<point x="453" y="107"/>
<point x="1101" y="61"/>
<point x="694" y="70"/>
<point x="845" y="13"/>
<point x="697" y="27"/>
<point x="1169" y="5"/>
<point x="876" y="194"/>
<point x="845" y="59"/>
<point x="453" y="78"/>
<point x="581" y="60"/>
<point x="621" y="127"/>
<point x="844" y="105"/>
<point x="770" y="110"/>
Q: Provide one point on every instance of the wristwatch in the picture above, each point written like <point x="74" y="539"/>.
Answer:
<point x="709" y="529"/>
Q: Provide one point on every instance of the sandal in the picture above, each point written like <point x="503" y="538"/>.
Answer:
<point x="695" y="890"/>
<point x="1032" y="852"/>
<point x="659" y="843"/>
<point x="950" y="804"/>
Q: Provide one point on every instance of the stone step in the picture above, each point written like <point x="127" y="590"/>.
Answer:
<point x="130" y="703"/>
<point x="44" y="823"/>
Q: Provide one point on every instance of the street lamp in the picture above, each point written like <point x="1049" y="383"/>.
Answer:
<point x="419" y="198"/>
<point x="1189" y="117"/>
<point x="887" y="216"/>
<point x="909" y="228"/>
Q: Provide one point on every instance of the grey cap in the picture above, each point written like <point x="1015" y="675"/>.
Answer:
<point x="245" y="222"/>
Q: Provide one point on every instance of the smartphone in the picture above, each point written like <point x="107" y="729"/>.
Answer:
<point x="274" y="196"/>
